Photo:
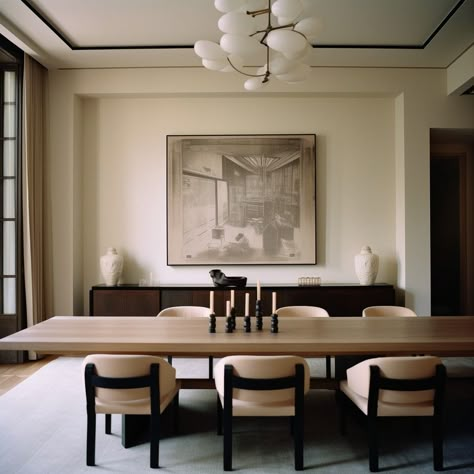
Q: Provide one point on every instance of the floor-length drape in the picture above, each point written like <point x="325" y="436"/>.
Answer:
<point x="34" y="131"/>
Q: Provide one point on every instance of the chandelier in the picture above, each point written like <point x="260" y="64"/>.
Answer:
<point x="249" y="35"/>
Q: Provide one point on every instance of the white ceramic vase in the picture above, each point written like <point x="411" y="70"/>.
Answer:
<point x="111" y="266"/>
<point x="366" y="266"/>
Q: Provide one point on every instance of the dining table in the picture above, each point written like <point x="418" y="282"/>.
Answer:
<point x="191" y="337"/>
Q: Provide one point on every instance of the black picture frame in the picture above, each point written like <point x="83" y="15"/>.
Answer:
<point x="241" y="199"/>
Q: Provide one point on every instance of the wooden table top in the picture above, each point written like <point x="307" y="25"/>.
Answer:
<point x="447" y="336"/>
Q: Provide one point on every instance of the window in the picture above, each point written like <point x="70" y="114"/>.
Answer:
<point x="8" y="191"/>
<point x="11" y="276"/>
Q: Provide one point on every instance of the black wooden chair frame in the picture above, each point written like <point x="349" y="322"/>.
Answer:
<point x="93" y="381"/>
<point x="225" y="414"/>
<point x="377" y="383"/>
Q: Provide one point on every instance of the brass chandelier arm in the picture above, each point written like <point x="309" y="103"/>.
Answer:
<point x="265" y="75"/>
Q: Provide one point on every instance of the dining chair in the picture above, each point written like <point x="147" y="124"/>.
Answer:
<point x="387" y="311"/>
<point x="312" y="311"/>
<point x="192" y="312"/>
<point x="129" y="385"/>
<point x="393" y="387"/>
<point x="261" y="386"/>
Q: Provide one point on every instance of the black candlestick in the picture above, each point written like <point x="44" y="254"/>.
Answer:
<point x="274" y="326"/>
<point x="247" y="324"/>
<point x="232" y="317"/>
<point x="228" y="324"/>
<point x="259" y="314"/>
<point x="212" y="323"/>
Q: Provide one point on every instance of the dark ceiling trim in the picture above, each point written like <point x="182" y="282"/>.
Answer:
<point x="73" y="47"/>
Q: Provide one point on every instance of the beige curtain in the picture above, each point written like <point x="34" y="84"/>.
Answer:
<point x="34" y="132"/>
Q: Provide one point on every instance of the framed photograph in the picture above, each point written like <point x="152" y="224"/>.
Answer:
<point x="241" y="199"/>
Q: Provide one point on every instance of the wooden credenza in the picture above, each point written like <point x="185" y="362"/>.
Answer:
<point x="134" y="300"/>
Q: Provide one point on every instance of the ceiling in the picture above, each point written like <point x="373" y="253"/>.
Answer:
<point x="161" y="33"/>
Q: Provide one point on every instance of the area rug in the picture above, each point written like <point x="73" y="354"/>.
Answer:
<point x="43" y="430"/>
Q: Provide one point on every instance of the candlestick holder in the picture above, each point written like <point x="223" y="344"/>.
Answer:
<point x="228" y="324"/>
<point x="274" y="325"/>
<point x="232" y="317"/>
<point x="247" y="324"/>
<point x="259" y="314"/>
<point x="212" y="323"/>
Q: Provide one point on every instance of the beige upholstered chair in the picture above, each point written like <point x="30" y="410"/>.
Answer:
<point x="128" y="385"/>
<point x="190" y="311"/>
<point x="387" y="311"/>
<point x="193" y="312"/>
<point x="397" y="386"/>
<point x="261" y="386"/>
<point x="313" y="311"/>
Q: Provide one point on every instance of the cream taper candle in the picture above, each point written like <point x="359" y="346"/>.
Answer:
<point x="247" y="304"/>
<point x="232" y="298"/>
<point x="258" y="290"/>
<point x="227" y="308"/>
<point x="211" y="302"/>
<point x="274" y="302"/>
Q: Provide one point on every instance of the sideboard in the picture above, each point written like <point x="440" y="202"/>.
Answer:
<point x="134" y="300"/>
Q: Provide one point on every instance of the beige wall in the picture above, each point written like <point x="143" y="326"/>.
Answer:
<point x="108" y="161"/>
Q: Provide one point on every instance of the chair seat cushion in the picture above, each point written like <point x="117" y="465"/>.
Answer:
<point x="388" y="409"/>
<point x="244" y="408"/>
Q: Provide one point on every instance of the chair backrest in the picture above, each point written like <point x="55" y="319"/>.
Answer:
<point x="261" y="368"/>
<point x="387" y="311"/>
<point x="315" y="311"/>
<point x="191" y="311"/>
<point x="399" y="368"/>
<point x="129" y="366"/>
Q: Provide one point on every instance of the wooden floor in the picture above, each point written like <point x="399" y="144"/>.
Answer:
<point x="13" y="374"/>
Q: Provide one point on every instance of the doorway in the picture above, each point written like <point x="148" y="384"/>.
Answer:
<point x="451" y="213"/>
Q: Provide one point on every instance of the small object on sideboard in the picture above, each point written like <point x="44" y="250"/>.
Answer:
<point x="220" y="279"/>
<point x="309" y="281"/>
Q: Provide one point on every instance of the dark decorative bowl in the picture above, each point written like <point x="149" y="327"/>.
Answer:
<point x="221" y="280"/>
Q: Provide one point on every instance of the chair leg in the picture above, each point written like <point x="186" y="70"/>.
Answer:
<point x="328" y="367"/>
<point x="108" y="423"/>
<point x="437" y="443"/>
<point x="211" y="367"/>
<point x="155" y="441"/>
<point x="373" y="445"/>
<point x="227" y="439"/>
<point x="176" y="413"/>
<point x="298" y="440"/>
<point x="90" y="450"/>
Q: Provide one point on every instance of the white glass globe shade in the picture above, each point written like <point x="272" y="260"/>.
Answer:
<point x="285" y="21"/>
<point x="287" y="8"/>
<point x="309" y="27"/>
<point x="209" y="50"/>
<point x="215" y="65"/>
<point x="225" y="6"/>
<point x="240" y="45"/>
<point x="298" y="74"/>
<point x="285" y="41"/>
<point x="254" y="83"/>
<point x="237" y="23"/>
<point x="237" y="61"/>
<point x="302" y="56"/>
<point x="280" y="65"/>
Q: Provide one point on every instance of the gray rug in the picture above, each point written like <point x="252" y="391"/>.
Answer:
<point x="43" y="421"/>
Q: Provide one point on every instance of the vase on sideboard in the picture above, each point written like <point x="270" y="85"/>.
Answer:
<point x="111" y="266"/>
<point x="366" y="266"/>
